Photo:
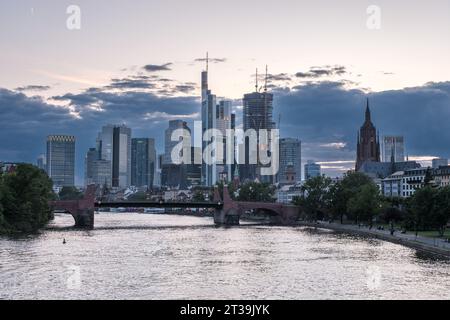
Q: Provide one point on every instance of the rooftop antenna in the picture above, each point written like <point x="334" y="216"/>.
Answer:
<point x="207" y="61"/>
<point x="256" y="85"/>
<point x="265" y="81"/>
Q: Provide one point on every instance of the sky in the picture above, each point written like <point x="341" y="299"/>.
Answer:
<point x="139" y="62"/>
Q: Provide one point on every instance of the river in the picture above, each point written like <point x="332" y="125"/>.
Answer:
<point x="144" y="256"/>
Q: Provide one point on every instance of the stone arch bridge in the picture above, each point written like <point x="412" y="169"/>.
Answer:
<point x="227" y="211"/>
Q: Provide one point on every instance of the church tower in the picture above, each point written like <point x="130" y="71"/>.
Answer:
<point x="368" y="144"/>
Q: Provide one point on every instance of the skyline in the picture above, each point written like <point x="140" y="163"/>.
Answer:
<point x="57" y="81"/>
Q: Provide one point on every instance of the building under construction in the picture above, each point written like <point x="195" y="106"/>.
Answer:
<point x="258" y="115"/>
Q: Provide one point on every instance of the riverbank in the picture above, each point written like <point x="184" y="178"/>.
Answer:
<point x="437" y="247"/>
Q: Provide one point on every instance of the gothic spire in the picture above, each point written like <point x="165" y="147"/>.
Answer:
<point x="367" y="111"/>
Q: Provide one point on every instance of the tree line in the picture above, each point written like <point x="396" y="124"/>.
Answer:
<point x="357" y="198"/>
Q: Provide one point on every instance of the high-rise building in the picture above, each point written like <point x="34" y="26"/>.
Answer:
<point x="61" y="160"/>
<point x="224" y="123"/>
<point x="393" y="146"/>
<point x="41" y="162"/>
<point x="91" y="156"/>
<point x="169" y="145"/>
<point x="121" y="166"/>
<point x="114" y="145"/>
<point x="312" y="170"/>
<point x="143" y="162"/>
<point x="439" y="162"/>
<point x="290" y="156"/>
<point x="209" y="121"/>
<point x="258" y="113"/>
<point x="368" y="144"/>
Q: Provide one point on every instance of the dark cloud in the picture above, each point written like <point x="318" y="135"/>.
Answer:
<point x="33" y="88"/>
<point x="326" y="112"/>
<point x="324" y="115"/>
<point x="155" y="67"/>
<point x="212" y="60"/>
<point x="318" y="72"/>
<point x="279" y="77"/>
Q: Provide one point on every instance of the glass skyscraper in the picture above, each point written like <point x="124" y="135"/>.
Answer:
<point x="143" y="162"/>
<point x="61" y="160"/>
<point x="393" y="145"/>
<point x="290" y="156"/>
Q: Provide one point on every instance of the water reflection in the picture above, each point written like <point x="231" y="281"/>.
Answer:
<point x="137" y="256"/>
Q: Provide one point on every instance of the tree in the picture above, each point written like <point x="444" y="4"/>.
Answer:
<point x="365" y="204"/>
<point x="198" y="196"/>
<point x="256" y="191"/>
<point x="342" y="191"/>
<point x="441" y="212"/>
<point x="70" y="193"/>
<point x="421" y="207"/>
<point x="24" y="199"/>
<point x="315" y="197"/>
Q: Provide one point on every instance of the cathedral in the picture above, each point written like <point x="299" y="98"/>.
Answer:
<point x="368" y="144"/>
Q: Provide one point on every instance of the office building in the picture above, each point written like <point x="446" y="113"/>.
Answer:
<point x="439" y="162"/>
<point x="312" y="170"/>
<point x="41" y="162"/>
<point x="61" y="160"/>
<point x="143" y="162"/>
<point x="393" y="146"/>
<point x="290" y="156"/>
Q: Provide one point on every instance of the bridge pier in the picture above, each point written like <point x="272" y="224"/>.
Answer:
<point x="84" y="218"/>
<point x="226" y="218"/>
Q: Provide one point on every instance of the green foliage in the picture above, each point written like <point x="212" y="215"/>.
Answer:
<point x="429" y="209"/>
<point x="70" y="193"/>
<point x="255" y="191"/>
<point x="365" y="204"/>
<point x="138" y="196"/>
<point x="315" y="199"/>
<point x="344" y="190"/>
<point x="24" y="196"/>
<point x="198" y="196"/>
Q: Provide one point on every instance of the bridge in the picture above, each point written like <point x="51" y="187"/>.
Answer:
<point x="226" y="211"/>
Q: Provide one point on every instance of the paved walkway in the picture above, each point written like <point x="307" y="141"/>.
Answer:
<point x="408" y="238"/>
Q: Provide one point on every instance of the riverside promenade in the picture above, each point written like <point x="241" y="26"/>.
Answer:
<point x="435" y="246"/>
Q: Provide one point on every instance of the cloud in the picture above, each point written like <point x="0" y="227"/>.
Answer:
<point x="318" y="113"/>
<point x="318" y="72"/>
<point x="155" y="67"/>
<point x="33" y="88"/>
<point x="212" y="60"/>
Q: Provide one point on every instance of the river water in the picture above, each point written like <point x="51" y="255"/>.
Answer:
<point x="143" y="256"/>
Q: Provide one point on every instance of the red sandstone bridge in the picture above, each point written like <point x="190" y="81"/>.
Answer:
<point x="227" y="211"/>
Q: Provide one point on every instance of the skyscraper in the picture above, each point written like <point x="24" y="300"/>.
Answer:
<point x="114" y="145"/>
<point x="393" y="145"/>
<point x="258" y="113"/>
<point x="290" y="156"/>
<point x="224" y="123"/>
<point x="368" y="144"/>
<point x="121" y="166"/>
<point x="312" y="170"/>
<point x="173" y="174"/>
<point x="42" y="162"/>
<point x="61" y="160"/>
<point x="209" y="121"/>
<point x="143" y="162"/>
<point x="91" y="156"/>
